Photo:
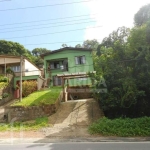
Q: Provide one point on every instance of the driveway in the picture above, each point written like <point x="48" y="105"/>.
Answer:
<point x="73" y="118"/>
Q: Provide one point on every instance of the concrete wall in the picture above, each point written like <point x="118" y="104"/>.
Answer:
<point x="79" y="93"/>
<point x="9" y="90"/>
<point x="40" y="83"/>
<point x="18" y="113"/>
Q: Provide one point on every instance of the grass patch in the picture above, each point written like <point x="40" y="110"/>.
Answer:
<point x="121" y="127"/>
<point x="38" y="98"/>
<point x="26" y="126"/>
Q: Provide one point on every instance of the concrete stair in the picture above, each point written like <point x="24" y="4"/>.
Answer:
<point x="1" y="114"/>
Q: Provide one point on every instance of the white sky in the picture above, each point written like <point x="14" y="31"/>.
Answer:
<point x="111" y="14"/>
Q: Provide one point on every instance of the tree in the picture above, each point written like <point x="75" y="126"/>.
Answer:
<point x="39" y="51"/>
<point x="64" y="45"/>
<point x="90" y="44"/>
<point x="14" y="48"/>
<point x="121" y="35"/>
<point x="123" y="62"/>
<point x="142" y="16"/>
<point x="140" y="36"/>
<point x="78" y="46"/>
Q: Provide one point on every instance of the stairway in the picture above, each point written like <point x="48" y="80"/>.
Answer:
<point x="2" y="115"/>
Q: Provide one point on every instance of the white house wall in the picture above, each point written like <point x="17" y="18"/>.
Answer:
<point x="30" y="69"/>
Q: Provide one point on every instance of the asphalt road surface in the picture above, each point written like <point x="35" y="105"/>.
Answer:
<point x="80" y="146"/>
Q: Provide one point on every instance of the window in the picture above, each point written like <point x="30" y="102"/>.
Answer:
<point x="80" y="60"/>
<point x="54" y="65"/>
<point x="57" y="81"/>
<point x="15" y="68"/>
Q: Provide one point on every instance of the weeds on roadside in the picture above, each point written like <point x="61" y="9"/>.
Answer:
<point x="121" y="127"/>
<point x="26" y="126"/>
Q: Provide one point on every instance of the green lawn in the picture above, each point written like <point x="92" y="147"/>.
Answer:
<point x="122" y="127"/>
<point x="25" y="126"/>
<point x="43" y="97"/>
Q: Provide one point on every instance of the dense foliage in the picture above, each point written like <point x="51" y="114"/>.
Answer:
<point x="123" y="62"/>
<point x="142" y="16"/>
<point x="26" y="126"/>
<point x="122" y="127"/>
<point x="28" y="87"/>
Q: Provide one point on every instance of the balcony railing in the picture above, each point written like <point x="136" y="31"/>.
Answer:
<point x="25" y="73"/>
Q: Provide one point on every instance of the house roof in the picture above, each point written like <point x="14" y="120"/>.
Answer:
<point x="17" y="58"/>
<point x="65" y="48"/>
<point x="9" y="56"/>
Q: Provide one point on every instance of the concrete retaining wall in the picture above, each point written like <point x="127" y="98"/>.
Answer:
<point x="79" y="92"/>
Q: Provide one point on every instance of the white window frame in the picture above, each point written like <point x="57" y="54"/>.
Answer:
<point x="52" y="66"/>
<point x="15" y="68"/>
<point x="80" y="60"/>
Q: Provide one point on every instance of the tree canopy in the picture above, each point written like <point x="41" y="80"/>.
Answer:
<point x="123" y="61"/>
<point x="12" y="48"/>
<point x="39" y="51"/>
<point x="142" y="16"/>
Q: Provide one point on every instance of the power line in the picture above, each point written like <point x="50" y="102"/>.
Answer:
<point x="46" y="20"/>
<point x="4" y="0"/>
<point x="33" y="7"/>
<point x="56" y="42"/>
<point x="47" y="27"/>
<point x="52" y="33"/>
<point x="45" y="24"/>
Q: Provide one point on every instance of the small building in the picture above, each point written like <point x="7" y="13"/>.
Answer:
<point x="29" y="70"/>
<point x="68" y="61"/>
<point x="68" y="66"/>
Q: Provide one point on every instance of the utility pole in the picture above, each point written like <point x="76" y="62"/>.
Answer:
<point x="21" y="58"/>
<point x="5" y="65"/>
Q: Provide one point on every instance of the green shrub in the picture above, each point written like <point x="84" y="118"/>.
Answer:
<point x="3" y="79"/>
<point x="35" y="125"/>
<point x="28" y="87"/>
<point x="3" y="85"/>
<point x="10" y="71"/>
<point x="121" y="127"/>
<point x="5" y="95"/>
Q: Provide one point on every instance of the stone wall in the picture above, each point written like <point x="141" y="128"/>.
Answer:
<point x="4" y="100"/>
<point x="9" y="90"/>
<point x="18" y="113"/>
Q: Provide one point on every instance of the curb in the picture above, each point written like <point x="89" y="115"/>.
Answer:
<point x="72" y="139"/>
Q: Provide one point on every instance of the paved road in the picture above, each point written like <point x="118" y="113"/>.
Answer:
<point x="80" y="146"/>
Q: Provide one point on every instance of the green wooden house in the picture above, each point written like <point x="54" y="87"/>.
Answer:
<point x="72" y="63"/>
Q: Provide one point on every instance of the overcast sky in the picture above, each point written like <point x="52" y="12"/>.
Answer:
<point x="50" y="23"/>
